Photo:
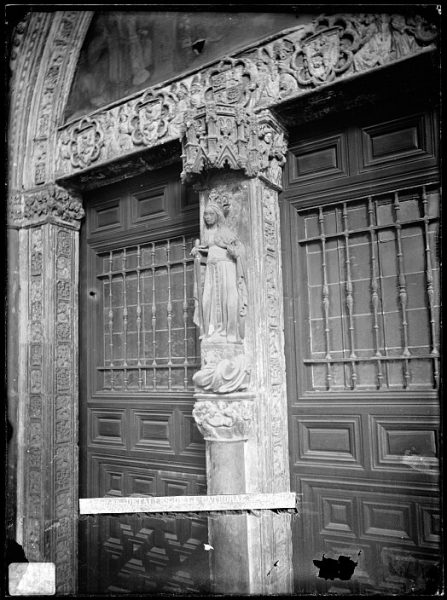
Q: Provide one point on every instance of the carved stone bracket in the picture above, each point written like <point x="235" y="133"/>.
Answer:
<point x="224" y="419"/>
<point x="220" y="135"/>
<point x="51" y="204"/>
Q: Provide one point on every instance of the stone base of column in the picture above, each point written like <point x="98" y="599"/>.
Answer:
<point x="251" y="552"/>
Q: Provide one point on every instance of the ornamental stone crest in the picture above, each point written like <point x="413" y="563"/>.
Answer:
<point x="84" y="145"/>
<point x="321" y="55"/>
<point x="151" y="117"/>
<point x="230" y="83"/>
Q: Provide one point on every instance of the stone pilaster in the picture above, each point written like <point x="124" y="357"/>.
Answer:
<point x="48" y="224"/>
<point x="241" y="405"/>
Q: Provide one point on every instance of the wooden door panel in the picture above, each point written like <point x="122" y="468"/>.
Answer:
<point x="140" y="350"/>
<point x="360" y="221"/>
<point x="342" y="157"/>
<point x="150" y="555"/>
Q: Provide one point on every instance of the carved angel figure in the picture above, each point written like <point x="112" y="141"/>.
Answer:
<point x="221" y="306"/>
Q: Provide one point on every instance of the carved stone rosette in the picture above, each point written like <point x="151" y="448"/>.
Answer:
<point x="227" y="418"/>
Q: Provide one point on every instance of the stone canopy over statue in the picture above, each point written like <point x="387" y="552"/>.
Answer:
<point x="221" y="300"/>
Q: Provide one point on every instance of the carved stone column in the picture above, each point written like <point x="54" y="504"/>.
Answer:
<point x="241" y="407"/>
<point x="46" y="224"/>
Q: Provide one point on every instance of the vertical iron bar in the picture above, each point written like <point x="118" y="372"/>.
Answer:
<point x="154" y="310"/>
<point x="185" y="317"/>
<point x="325" y="298"/>
<point x="403" y="296"/>
<point x="125" y="319"/>
<point x="430" y="289"/>
<point x="111" y="320"/>
<point x="169" y="313"/>
<point x="349" y="297"/>
<point x="375" y="292"/>
<point x="140" y="375"/>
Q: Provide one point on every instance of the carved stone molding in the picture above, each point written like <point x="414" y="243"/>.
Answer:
<point x="220" y="100"/>
<point x="227" y="419"/>
<point x="17" y="39"/>
<point x="51" y="204"/>
<point x="50" y="467"/>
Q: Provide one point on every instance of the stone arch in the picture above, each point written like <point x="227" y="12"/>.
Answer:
<point x="42" y="77"/>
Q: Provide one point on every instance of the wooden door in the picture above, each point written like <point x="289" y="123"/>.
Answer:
<point x="361" y="273"/>
<point x="139" y="349"/>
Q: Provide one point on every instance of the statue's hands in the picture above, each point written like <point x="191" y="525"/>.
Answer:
<point x="198" y="250"/>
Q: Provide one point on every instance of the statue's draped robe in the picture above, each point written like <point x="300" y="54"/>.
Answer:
<point x="220" y="296"/>
<point x="224" y="296"/>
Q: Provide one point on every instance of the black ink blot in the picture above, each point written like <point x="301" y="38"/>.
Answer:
<point x="342" y="568"/>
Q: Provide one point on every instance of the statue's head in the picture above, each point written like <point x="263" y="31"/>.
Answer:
<point x="213" y="214"/>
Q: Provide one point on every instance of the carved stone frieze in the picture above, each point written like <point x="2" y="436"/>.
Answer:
<point x="45" y="205"/>
<point x="227" y="419"/>
<point x="213" y="109"/>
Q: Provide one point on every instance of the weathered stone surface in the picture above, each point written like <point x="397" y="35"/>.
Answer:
<point x="50" y="515"/>
<point x="49" y="204"/>
<point x="246" y="431"/>
<point x="329" y="48"/>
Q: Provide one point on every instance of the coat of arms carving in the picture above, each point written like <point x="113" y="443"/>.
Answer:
<point x="230" y="83"/>
<point x="85" y="143"/>
<point x="150" y="118"/>
<point x="321" y="57"/>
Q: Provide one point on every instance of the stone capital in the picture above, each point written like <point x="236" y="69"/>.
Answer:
<point x="222" y="136"/>
<point x="224" y="418"/>
<point x="48" y="204"/>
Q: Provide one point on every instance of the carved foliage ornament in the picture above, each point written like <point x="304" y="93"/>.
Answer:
<point x="224" y="420"/>
<point x="52" y="202"/>
<point x="18" y="37"/>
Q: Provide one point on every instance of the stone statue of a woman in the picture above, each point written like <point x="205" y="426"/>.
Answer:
<point x="221" y="305"/>
<point x="224" y="296"/>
